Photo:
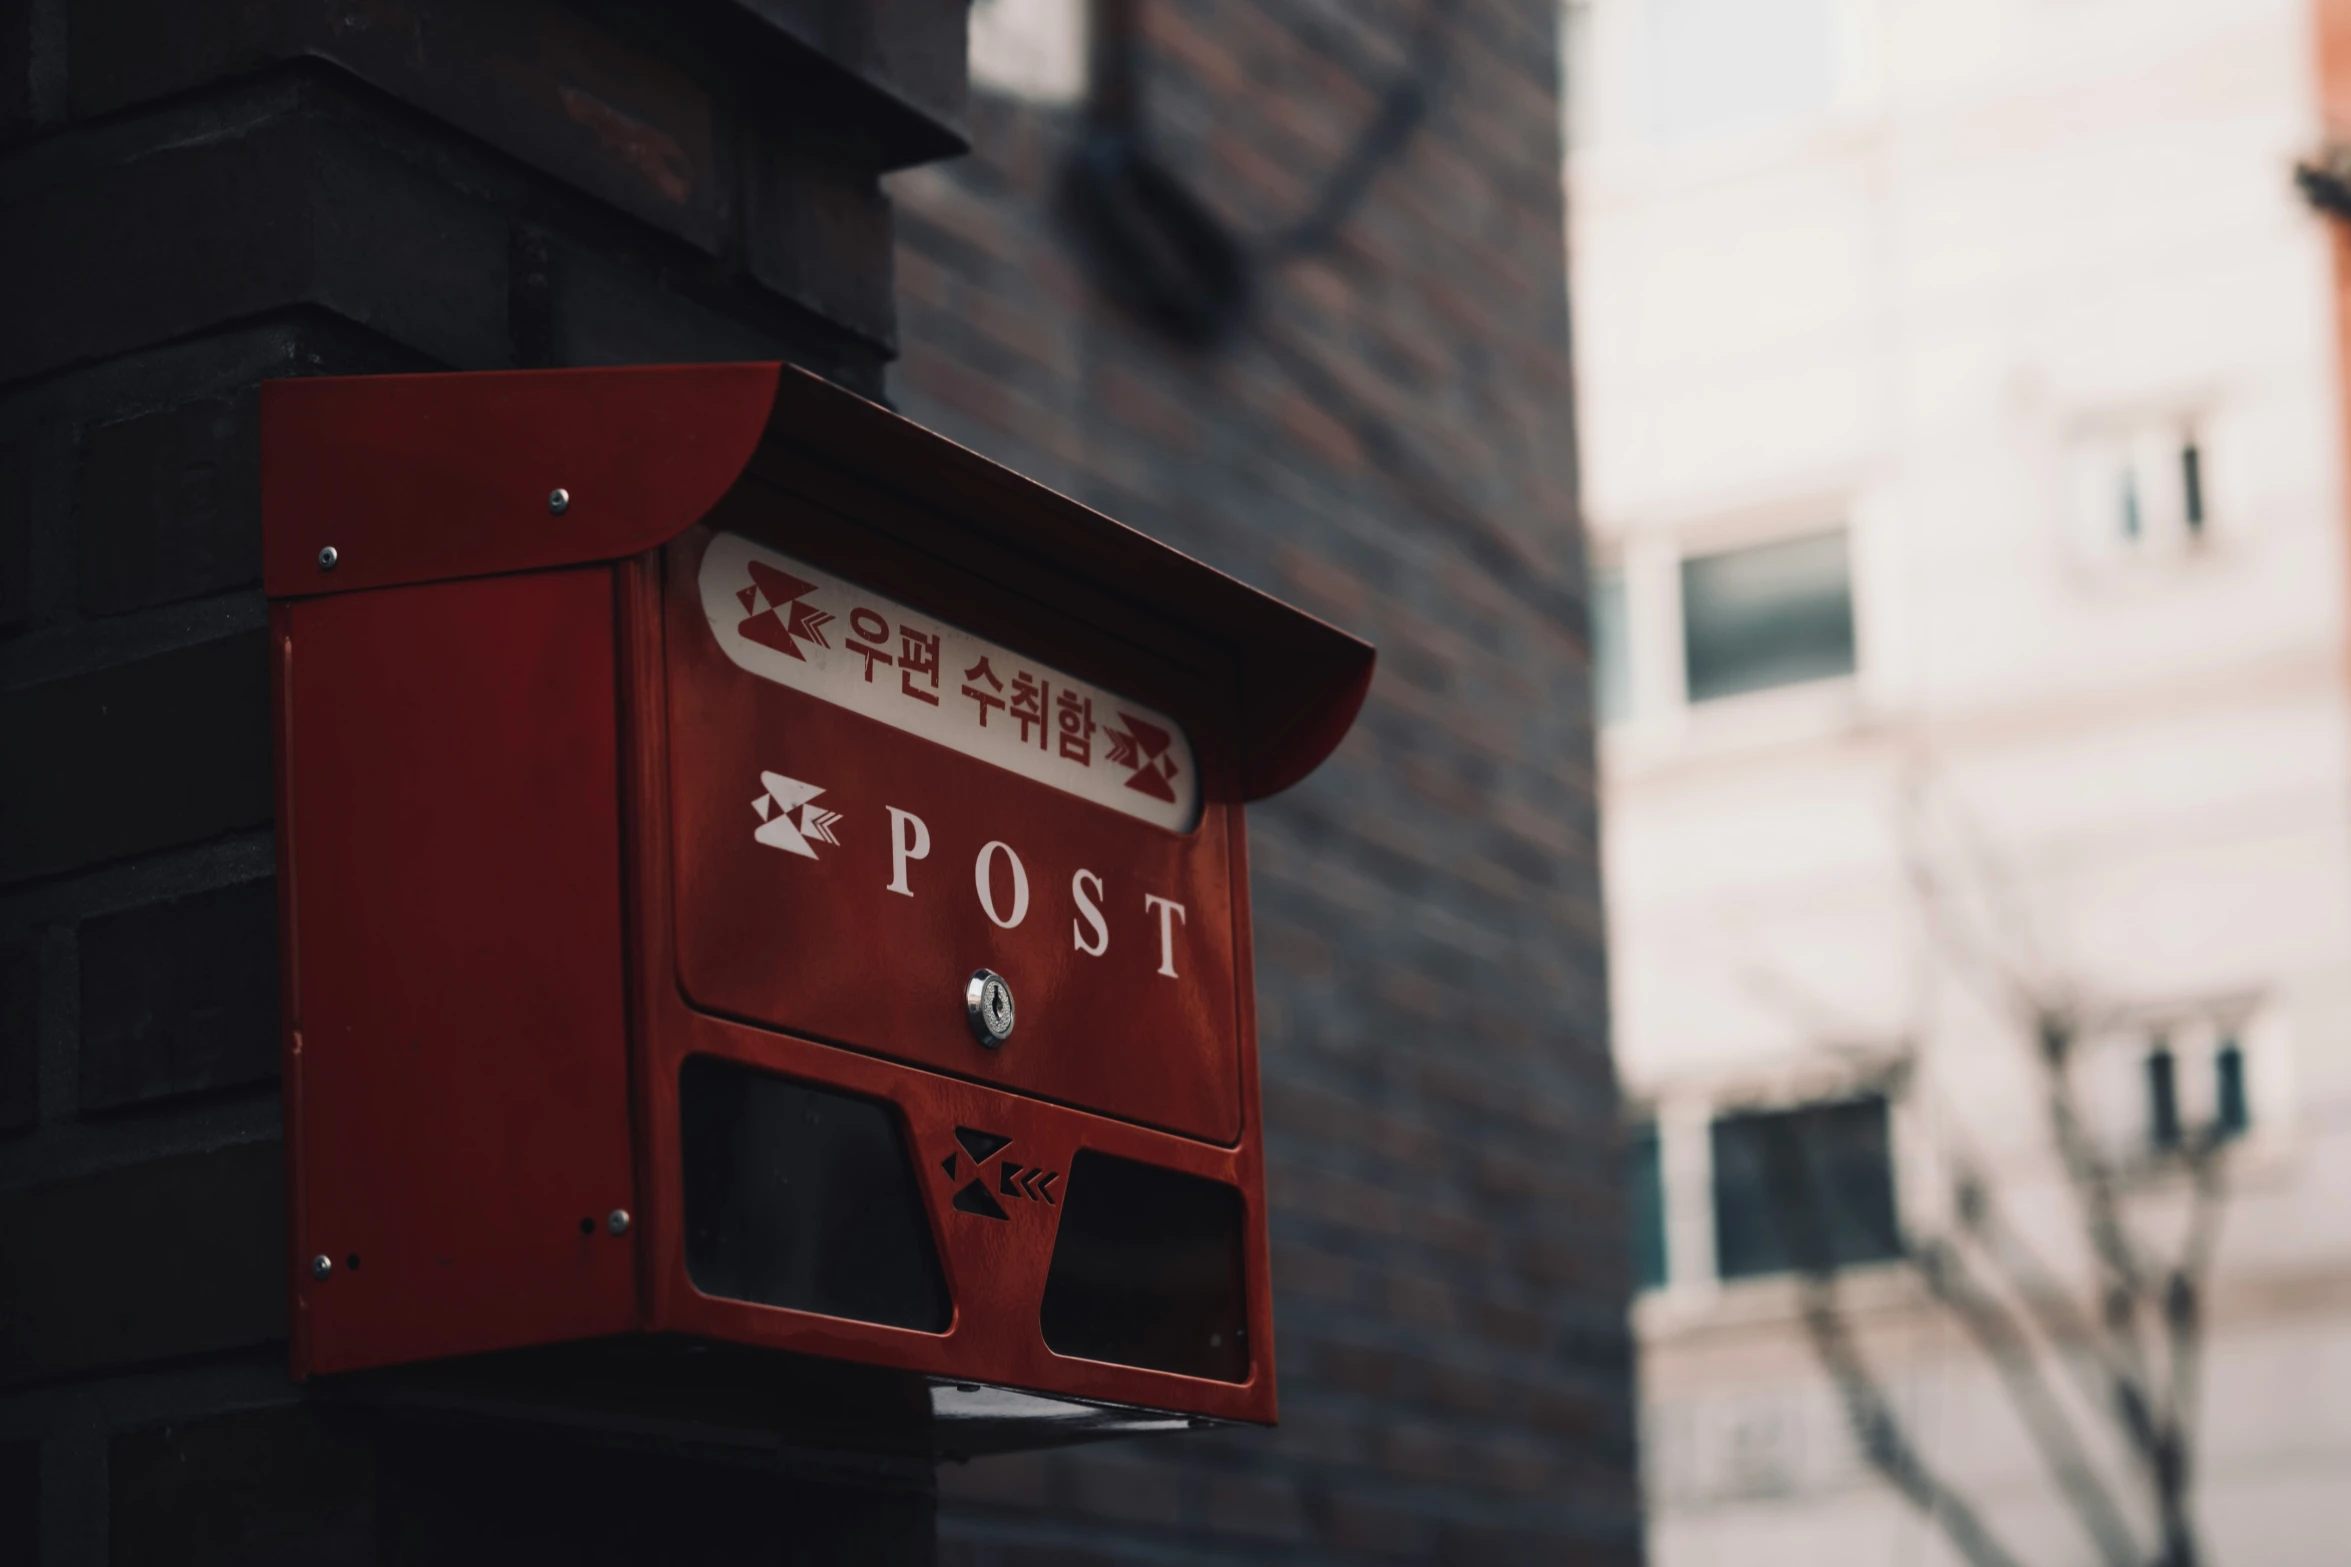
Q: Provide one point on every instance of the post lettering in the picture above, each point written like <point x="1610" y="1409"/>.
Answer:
<point x="1020" y="886"/>
<point x="1166" y="935"/>
<point x="910" y="840"/>
<point x="1091" y="912"/>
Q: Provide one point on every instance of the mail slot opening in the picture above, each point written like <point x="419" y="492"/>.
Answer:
<point x="804" y="1198"/>
<point x="1147" y="1271"/>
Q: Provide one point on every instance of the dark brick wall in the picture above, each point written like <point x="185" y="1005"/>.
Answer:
<point x="1389" y="443"/>
<point x="195" y="198"/>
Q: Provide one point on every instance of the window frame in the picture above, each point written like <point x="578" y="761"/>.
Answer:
<point x="1693" y="563"/>
<point x="1857" y="1233"/>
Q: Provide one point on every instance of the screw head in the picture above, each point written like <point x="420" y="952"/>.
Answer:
<point x="321" y="1266"/>
<point x="617" y="1221"/>
<point x="559" y="501"/>
<point x="987" y="1006"/>
<point x="327" y="558"/>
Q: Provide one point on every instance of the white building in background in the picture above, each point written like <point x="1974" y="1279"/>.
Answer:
<point x="1963" y="470"/>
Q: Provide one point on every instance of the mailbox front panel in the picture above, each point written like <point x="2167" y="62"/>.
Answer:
<point x="1077" y="1255"/>
<point x="842" y="874"/>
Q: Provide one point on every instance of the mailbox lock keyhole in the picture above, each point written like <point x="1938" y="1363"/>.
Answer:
<point x="987" y="1005"/>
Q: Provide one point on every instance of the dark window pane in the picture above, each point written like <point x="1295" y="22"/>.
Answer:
<point x="1772" y="615"/>
<point x="1809" y="1188"/>
<point x="2230" y="1114"/>
<point x="2163" y="1099"/>
<point x="1644" y="1184"/>
<point x="1612" y="675"/>
<point x="1147" y="1271"/>
<point x="803" y="1197"/>
<point x="2192" y="485"/>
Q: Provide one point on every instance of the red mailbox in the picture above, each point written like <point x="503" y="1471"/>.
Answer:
<point x="755" y="872"/>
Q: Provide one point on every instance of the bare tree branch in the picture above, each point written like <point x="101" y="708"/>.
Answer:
<point x="2002" y="991"/>
<point x="1804" y="1227"/>
<point x="2143" y="1309"/>
<point x="2125" y="1286"/>
<point x="1878" y="1432"/>
<point x="2000" y="985"/>
<point x="2184" y="1302"/>
<point x="2105" y="1375"/>
<point x="2006" y="1345"/>
<point x="2183" y="1327"/>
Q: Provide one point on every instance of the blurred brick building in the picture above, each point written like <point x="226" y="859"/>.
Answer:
<point x="1385" y="440"/>
<point x="197" y="199"/>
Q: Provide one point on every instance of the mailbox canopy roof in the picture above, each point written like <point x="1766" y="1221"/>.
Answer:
<point x="426" y="478"/>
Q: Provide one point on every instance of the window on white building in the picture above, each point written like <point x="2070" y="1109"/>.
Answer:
<point x="1033" y="49"/>
<point x="2231" y="1113"/>
<point x="1716" y="67"/>
<point x="2139" y="491"/>
<point x="1768" y="615"/>
<point x="1806" y="1187"/>
<point x="1612" y="673"/>
<point x="2163" y="1095"/>
<point x="1644" y="1182"/>
<point x="2177" y="1110"/>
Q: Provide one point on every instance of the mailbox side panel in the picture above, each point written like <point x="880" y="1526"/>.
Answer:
<point x="457" y="1084"/>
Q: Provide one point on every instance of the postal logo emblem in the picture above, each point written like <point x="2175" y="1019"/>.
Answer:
<point x="776" y="617"/>
<point x="785" y="798"/>
<point x="1143" y="748"/>
<point x="1020" y="1182"/>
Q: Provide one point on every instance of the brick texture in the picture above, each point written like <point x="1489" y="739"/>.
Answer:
<point x="180" y="997"/>
<point x="199" y="199"/>
<point x="190" y="1258"/>
<point x="20" y="1500"/>
<point x="168" y="503"/>
<point x="80" y="781"/>
<point x="1388" y="442"/>
<point x="20" y="1040"/>
<point x="321" y="1485"/>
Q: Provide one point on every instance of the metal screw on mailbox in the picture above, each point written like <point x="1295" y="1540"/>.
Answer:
<point x="559" y="501"/>
<point x="987" y="1005"/>
<point x="321" y="1266"/>
<point x="617" y="1221"/>
<point x="327" y="558"/>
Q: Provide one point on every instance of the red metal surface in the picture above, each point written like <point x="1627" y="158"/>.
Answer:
<point x="995" y="1270"/>
<point x="1301" y="681"/>
<point x="456" y="1060"/>
<point x="423" y="478"/>
<point x="824" y="946"/>
<point x="431" y="477"/>
<point x="520" y="887"/>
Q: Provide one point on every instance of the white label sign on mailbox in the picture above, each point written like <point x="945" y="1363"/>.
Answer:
<point x="787" y="621"/>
